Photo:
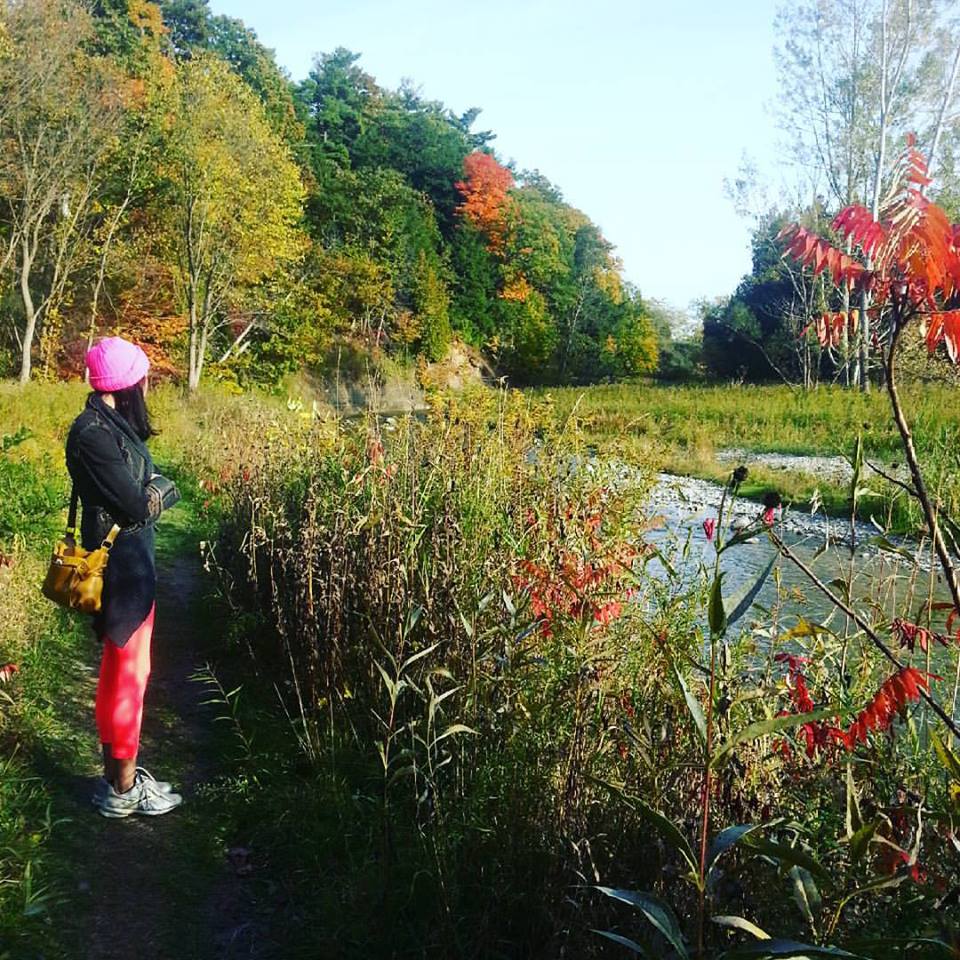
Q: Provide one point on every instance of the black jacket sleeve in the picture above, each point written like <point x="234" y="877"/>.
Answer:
<point x="162" y="494"/>
<point x="127" y="502"/>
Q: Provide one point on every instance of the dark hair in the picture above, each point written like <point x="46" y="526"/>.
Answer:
<point x="132" y="406"/>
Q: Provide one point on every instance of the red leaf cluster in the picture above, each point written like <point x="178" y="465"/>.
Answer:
<point x="579" y="576"/>
<point x="910" y="634"/>
<point x="816" y="733"/>
<point x="575" y="589"/>
<point x="890" y="859"/>
<point x="856" y="223"/>
<point x="912" y="255"/>
<point x="797" y="681"/>
<point x="886" y="704"/>
<point x="7" y="672"/>
<point x="944" y="328"/>
<point x="893" y="696"/>
<point x="818" y="254"/>
<point x="829" y="327"/>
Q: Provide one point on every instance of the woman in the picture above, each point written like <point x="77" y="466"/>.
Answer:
<point x="114" y="479"/>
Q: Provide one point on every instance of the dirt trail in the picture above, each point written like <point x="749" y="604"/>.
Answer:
<point x="161" y="887"/>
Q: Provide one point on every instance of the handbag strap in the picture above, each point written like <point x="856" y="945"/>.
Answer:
<point x="72" y="530"/>
<point x="72" y="514"/>
<point x="111" y="536"/>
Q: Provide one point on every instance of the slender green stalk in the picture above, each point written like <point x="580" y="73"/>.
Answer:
<point x="910" y="452"/>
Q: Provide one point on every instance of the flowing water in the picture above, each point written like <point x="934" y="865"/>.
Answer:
<point x="900" y="581"/>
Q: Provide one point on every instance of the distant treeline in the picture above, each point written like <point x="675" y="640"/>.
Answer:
<point x="162" y="177"/>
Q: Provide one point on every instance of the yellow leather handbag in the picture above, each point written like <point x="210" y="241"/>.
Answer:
<point x="75" y="576"/>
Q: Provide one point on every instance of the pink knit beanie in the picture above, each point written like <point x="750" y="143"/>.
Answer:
<point x="115" y="363"/>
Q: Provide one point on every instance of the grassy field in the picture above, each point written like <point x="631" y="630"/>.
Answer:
<point x="682" y="428"/>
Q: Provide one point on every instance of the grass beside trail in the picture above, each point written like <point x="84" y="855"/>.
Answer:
<point x="683" y="427"/>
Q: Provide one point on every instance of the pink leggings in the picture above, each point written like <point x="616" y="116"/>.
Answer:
<point x="123" y="682"/>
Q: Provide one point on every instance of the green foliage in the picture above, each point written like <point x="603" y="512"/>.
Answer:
<point x="474" y="296"/>
<point x="530" y="338"/>
<point x="238" y="45"/>
<point x="386" y="165"/>
<point x="633" y="343"/>
<point x="188" y="22"/>
<point x="756" y="334"/>
<point x="680" y="360"/>
<point x="432" y="306"/>
<point x="232" y="197"/>
<point x="30" y="498"/>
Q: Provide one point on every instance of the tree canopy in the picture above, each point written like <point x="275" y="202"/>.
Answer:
<point x="239" y="223"/>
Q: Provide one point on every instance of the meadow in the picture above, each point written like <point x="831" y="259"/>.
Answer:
<point x="476" y="713"/>
<point x="682" y="428"/>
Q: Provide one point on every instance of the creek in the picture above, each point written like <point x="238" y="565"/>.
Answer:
<point x="895" y="572"/>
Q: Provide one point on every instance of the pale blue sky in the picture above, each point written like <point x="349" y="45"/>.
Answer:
<point x="636" y="110"/>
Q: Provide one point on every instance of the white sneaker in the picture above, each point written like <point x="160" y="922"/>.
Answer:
<point x="100" y="790"/>
<point x="144" y="797"/>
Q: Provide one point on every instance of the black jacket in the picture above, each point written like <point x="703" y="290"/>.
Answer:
<point x="114" y="476"/>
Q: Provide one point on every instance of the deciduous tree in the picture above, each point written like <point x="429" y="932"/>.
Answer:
<point x="62" y="110"/>
<point x="486" y="197"/>
<point x="856" y="75"/>
<point x="233" y="199"/>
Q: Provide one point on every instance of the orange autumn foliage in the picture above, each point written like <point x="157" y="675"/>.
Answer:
<point x="829" y="327"/>
<point x="518" y="290"/>
<point x="486" y="201"/>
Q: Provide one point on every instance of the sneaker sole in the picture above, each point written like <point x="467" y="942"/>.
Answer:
<point x="99" y="795"/>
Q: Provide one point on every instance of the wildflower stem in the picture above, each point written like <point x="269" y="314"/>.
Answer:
<point x="946" y="563"/>
<point x="891" y="479"/>
<point x="863" y="625"/>
<point x="707" y="786"/>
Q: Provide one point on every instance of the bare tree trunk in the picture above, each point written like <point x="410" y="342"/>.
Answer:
<point x="863" y="352"/>
<point x="888" y="93"/>
<point x="199" y="334"/>
<point x="944" y="107"/>
<point x="193" y="374"/>
<point x="572" y="332"/>
<point x="864" y="338"/>
<point x="193" y="291"/>
<point x="201" y="354"/>
<point x="238" y="341"/>
<point x="29" y="310"/>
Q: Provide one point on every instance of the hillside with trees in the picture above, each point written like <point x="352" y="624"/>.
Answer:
<point x="163" y="178"/>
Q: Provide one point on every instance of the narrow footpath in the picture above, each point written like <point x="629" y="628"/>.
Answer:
<point x="157" y="888"/>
